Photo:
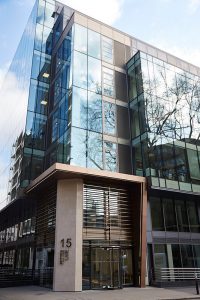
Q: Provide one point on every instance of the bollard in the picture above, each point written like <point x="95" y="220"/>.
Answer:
<point x="196" y="283"/>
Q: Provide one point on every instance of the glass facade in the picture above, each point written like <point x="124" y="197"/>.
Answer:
<point x="89" y="134"/>
<point x="175" y="214"/>
<point x="164" y="115"/>
<point x="76" y="98"/>
<point x="164" y="108"/>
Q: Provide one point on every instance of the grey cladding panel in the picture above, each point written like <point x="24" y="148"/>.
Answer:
<point x="124" y="159"/>
<point x="123" y="122"/>
<point x="119" y="52"/>
<point x="128" y="53"/>
<point x="121" y="86"/>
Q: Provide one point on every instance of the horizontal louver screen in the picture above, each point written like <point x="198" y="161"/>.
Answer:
<point x="106" y="213"/>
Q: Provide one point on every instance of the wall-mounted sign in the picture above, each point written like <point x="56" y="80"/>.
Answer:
<point x="65" y="244"/>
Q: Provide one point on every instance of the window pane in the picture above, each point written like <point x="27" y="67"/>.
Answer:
<point x="80" y="38"/>
<point x="48" y="19"/>
<point x="78" y="147"/>
<point x="35" y="65"/>
<point x="79" y="108"/>
<point x="38" y="37"/>
<point x="156" y="214"/>
<point x="181" y="215"/>
<point x="94" y="75"/>
<point x="80" y="70"/>
<point x="197" y="255"/>
<point x="95" y="151"/>
<point x="110" y="156"/>
<point x="160" y="256"/>
<point x="194" y="167"/>
<point x="176" y="256"/>
<point x="94" y="112"/>
<point x="193" y="216"/>
<point x="94" y="44"/>
<point x="107" y="49"/>
<point x="109" y="118"/>
<point x="187" y="256"/>
<point x="169" y="215"/>
<point x="108" y="82"/>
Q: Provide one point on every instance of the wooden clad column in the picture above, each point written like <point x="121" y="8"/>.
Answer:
<point x="143" y="233"/>
<point x="139" y="199"/>
<point x="68" y="236"/>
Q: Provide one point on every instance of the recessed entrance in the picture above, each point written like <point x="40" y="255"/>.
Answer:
<point x="107" y="267"/>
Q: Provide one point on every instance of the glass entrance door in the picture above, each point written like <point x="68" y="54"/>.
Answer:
<point x="105" y="268"/>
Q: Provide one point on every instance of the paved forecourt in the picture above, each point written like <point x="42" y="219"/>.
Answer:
<point x="148" y="293"/>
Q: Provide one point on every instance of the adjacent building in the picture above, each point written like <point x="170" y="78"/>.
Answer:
<point x="104" y="186"/>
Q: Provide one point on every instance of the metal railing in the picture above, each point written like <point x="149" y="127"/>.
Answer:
<point x="176" y="274"/>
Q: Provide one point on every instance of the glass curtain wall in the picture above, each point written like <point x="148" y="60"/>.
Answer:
<point x="171" y="214"/>
<point x="80" y="116"/>
<point x="14" y="96"/>
<point x="176" y="256"/>
<point x="164" y="108"/>
<point x="35" y="133"/>
<point x="91" y="116"/>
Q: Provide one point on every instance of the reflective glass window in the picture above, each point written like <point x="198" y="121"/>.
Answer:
<point x="160" y="256"/>
<point x="194" y="167"/>
<point x="156" y="214"/>
<point x="187" y="256"/>
<point x="35" y="65"/>
<point x="44" y="74"/>
<point x="40" y="12"/>
<point x="38" y="37"/>
<point x="193" y="216"/>
<point x="39" y="131"/>
<point x="181" y="213"/>
<point x="94" y="75"/>
<point x="80" y="38"/>
<point x="107" y="49"/>
<point x="181" y="164"/>
<point x="134" y="114"/>
<point x="78" y="147"/>
<point x="176" y="256"/>
<point x="55" y="126"/>
<point x="94" y="112"/>
<point x="29" y="129"/>
<point x="80" y="70"/>
<point x="108" y="82"/>
<point x="168" y="170"/>
<point x="197" y="255"/>
<point x="36" y="167"/>
<point x="132" y="83"/>
<point x="169" y="215"/>
<point x="79" y="108"/>
<point x="32" y="95"/>
<point x="48" y="19"/>
<point x="94" y="44"/>
<point x="137" y="163"/>
<point x="95" y="151"/>
<point x="110" y="150"/>
<point x="109" y="118"/>
<point x="47" y="40"/>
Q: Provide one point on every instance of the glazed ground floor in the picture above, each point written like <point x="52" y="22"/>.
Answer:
<point x="78" y="229"/>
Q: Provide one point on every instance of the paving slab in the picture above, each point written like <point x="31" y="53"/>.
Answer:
<point x="148" y="293"/>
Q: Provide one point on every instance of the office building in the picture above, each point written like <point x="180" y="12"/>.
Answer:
<point x="105" y="177"/>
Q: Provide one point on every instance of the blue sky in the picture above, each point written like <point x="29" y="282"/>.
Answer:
<point x="172" y="25"/>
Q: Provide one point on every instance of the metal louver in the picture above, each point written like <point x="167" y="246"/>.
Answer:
<point x="106" y="213"/>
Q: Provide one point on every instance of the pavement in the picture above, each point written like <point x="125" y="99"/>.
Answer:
<point x="148" y="293"/>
